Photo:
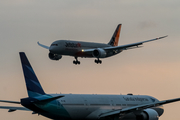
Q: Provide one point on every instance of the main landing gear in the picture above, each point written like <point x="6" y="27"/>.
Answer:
<point x="97" y="61"/>
<point x="76" y="61"/>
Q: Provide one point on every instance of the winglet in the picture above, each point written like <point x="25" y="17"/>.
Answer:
<point x="44" y="46"/>
<point x="115" y="38"/>
<point x="155" y="39"/>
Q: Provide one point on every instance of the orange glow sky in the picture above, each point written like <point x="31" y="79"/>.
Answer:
<point x="151" y="70"/>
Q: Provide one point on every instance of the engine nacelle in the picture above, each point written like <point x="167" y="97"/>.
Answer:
<point x="148" y="114"/>
<point x="99" y="53"/>
<point x="54" y="56"/>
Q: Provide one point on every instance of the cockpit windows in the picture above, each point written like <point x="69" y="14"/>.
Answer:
<point x="54" y="45"/>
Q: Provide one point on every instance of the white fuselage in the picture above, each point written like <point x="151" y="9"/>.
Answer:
<point x="75" y="48"/>
<point x="91" y="106"/>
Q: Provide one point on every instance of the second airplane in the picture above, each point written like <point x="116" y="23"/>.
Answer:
<point x="90" y="49"/>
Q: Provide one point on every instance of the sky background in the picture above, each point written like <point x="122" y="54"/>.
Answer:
<point x="151" y="70"/>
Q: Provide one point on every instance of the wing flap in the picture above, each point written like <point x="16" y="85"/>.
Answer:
<point x="110" y="113"/>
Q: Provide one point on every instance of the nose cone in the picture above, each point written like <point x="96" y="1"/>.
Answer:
<point x="55" y="48"/>
<point x="52" y="49"/>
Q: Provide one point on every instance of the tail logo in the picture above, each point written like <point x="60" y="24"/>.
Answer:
<point x="34" y="88"/>
<point x="115" y="38"/>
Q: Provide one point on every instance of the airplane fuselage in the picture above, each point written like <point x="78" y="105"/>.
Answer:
<point x="75" y="48"/>
<point x="74" y="106"/>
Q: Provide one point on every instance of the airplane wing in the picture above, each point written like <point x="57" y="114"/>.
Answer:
<point x="137" y="108"/>
<point x="12" y="109"/>
<point x="44" y="46"/>
<point x="122" y="47"/>
<point x="133" y="45"/>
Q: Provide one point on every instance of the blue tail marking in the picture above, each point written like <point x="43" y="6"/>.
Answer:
<point x="33" y="86"/>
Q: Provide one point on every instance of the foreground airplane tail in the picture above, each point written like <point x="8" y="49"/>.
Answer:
<point x="33" y="86"/>
<point x="115" y="38"/>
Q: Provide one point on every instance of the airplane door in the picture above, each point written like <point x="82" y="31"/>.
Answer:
<point x="112" y="104"/>
<point x="86" y="104"/>
<point x="58" y="104"/>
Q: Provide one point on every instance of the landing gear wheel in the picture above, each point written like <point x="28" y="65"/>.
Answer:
<point x="97" y="61"/>
<point x="76" y="61"/>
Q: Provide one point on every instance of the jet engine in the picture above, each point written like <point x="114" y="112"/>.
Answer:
<point x="99" y="53"/>
<point x="148" y="114"/>
<point x="54" y="56"/>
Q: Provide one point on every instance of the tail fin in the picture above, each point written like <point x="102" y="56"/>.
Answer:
<point x="115" y="38"/>
<point x="33" y="86"/>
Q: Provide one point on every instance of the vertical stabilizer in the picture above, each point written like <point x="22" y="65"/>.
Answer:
<point x="115" y="38"/>
<point x="33" y="86"/>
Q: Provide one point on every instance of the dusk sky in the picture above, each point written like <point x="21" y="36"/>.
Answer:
<point x="151" y="70"/>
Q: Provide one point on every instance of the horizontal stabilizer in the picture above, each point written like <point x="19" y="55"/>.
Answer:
<point x="12" y="109"/>
<point x="45" y="99"/>
<point x="14" y="102"/>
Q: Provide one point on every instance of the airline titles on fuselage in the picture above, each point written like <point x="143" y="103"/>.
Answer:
<point x="72" y="45"/>
<point x="135" y="99"/>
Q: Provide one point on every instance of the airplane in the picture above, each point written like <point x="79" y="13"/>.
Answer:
<point x="84" y="106"/>
<point x="90" y="49"/>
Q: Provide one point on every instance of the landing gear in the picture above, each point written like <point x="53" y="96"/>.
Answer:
<point x="76" y="61"/>
<point x="97" y="61"/>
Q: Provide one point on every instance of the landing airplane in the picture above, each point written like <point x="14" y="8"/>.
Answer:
<point x="90" y="49"/>
<point x="84" y="106"/>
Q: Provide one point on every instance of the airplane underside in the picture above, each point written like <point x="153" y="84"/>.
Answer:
<point x="75" y="54"/>
<point x="97" y="60"/>
<point x="89" y="115"/>
<point x="130" y="116"/>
